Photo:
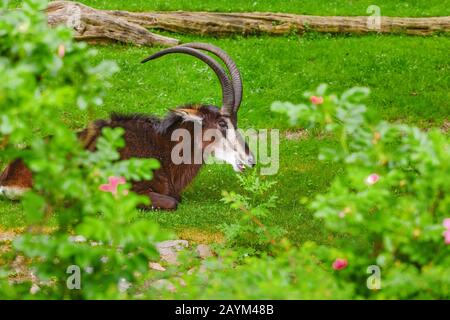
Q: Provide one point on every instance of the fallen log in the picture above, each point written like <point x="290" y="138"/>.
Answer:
<point x="97" y="26"/>
<point x="224" y="24"/>
<point x="110" y="25"/>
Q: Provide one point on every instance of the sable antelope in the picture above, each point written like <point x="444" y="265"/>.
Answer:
<point x="151" y="137"/>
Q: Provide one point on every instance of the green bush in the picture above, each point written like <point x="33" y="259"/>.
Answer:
<point x="250" y="234"/>
<point x="388" y="212"/>
<point x="42" y="70"/>
<point x="288" y="272"/>
<point x="391" y="203"/>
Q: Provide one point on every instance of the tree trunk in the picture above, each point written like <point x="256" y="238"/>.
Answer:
<point x="224" y="24"/>
<point x="97" y="26"/>
<point x="108" y="25"/>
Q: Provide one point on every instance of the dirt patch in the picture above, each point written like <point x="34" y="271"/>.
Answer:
<point x="7" y="235"/>
<point x="305" y="134"/>
<point x="445" y="126"/>
<point x="427" y="125"/>
<point x="300" y="134"/>
<point x="200" y="236"/>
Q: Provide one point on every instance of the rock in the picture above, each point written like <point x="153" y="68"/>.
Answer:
<point x="156" y="266"/>
<point x="204" y="251"/>
<point x="172" y="244"/>
<point x="170" y="257"/>
<point x="123" y="285"/>
<point x="34" y="289"/>
<point x="168" y="249"/>
<point x="164" y="284"/>
<point x="77" y="238"/>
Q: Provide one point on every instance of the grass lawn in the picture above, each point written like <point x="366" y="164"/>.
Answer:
<point x="408" y="76"/>
<point x="314" y="7"/>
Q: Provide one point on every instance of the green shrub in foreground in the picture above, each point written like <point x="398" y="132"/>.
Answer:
<point x="288" y="272"/>
<point x="96" y="234"/>
<point x="393" y="196"/>
<point x="250" y="234"/>
<point x="388" y="211"/>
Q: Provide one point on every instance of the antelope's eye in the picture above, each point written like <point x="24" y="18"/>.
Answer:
<point x="222" y="124"/>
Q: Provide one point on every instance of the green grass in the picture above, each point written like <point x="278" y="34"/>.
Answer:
<point x="403" y="8"/>
<point x="408" y="76"/>
<point x="332" y="7"/>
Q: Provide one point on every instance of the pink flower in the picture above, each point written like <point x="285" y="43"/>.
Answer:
<point x="316" y="100"/>
<point x="446" y="233"/>
<point x="340" y="264"/>
<point x="114" y="182"/>
<point x="446" y="223"/>
<point x="61" y="51"/>
<point x="372" y="179"/>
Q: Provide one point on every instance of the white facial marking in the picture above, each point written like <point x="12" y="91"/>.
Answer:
<point x="231" y="148"/>
<point x="187" y="116"/>
<point x="12" y="193"/>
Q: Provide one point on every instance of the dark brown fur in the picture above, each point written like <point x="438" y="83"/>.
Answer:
<point x="16" y="174"/>
<point x="145" y="137"/>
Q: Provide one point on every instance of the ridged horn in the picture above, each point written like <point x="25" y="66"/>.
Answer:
<point x="227" y="86"/>
<point x="236" y="78"/>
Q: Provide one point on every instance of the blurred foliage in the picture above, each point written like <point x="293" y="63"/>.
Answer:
<point x="288" y="272"/>
<point x="393" y="194"/>
<point x="41" y="70"/>
<point x="392" y="197"/>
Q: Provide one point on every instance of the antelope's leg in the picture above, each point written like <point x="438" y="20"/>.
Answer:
<point x="160" y="201"/>
<point x="15" y="180"/>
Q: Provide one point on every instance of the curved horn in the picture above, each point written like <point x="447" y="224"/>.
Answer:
<point x="231" y="65"/>
<point x="227" y="87"/>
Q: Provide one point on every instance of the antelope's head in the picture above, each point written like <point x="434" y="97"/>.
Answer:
<point x="219" y="131"/>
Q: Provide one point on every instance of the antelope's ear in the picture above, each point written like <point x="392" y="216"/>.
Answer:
<point x="188" y="114"/>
